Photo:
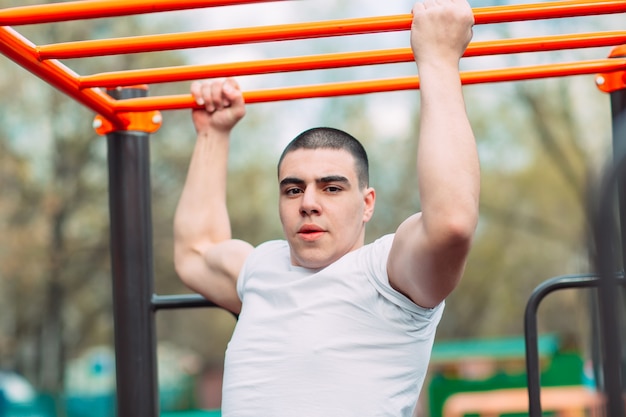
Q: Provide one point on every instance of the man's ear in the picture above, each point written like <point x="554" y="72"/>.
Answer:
<point x="369" y="198"/>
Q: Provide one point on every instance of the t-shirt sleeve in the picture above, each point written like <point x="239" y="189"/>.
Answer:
<point x="257" y="254"/>
<point x="241" y="279"/>
<point x="376" y="258"/>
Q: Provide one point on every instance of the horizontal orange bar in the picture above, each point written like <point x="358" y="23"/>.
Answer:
<point x="22" y="52"/>
<point x="547" y="43"/>
<point x="75" y="10"/>
<point x="176" y="41"/>
<point x="310" y="30"/>
<point x="177" y="102"/>
<point x="341" y="60"/>
<point x="548" y="10"/>
<point x="194" y="72"/>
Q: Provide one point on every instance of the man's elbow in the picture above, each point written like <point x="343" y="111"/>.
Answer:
<point x="183" y="266"/>
<point x="186" y="262"/>
<point x="458" y="230"/>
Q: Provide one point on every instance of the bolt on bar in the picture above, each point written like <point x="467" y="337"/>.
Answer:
<point x="76" y="10"/>
<point x="153" y="43"/>
<point x="178" y="102"/>
<point x="342" y="60"/>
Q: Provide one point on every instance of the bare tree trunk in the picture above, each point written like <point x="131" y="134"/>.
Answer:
<point x="51" y="333"/>
<point x="50" y="345"/>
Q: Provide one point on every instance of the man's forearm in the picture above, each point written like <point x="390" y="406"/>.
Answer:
<point x="448" y="168"/>
<point x="202" y="217"/>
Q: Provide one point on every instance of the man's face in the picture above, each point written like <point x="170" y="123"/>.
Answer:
<point x="322" y="209"/>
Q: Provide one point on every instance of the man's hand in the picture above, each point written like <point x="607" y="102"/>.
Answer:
<point x="222" y="105"/>
<point x="441" y="31"/>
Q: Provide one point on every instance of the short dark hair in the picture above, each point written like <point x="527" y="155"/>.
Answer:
<point x="331" y="138"/>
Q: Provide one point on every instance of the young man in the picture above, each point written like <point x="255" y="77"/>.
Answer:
<point x="329" y="326"/>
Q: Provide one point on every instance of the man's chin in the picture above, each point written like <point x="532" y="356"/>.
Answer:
<point x="310" y="259"/>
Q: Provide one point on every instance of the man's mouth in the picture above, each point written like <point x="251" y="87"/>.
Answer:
<point x="310" y="232"/>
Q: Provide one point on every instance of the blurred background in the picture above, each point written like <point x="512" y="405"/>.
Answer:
<point x="541" y="144"/>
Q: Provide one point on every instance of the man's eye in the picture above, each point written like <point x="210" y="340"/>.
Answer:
<point x="333" y="189"/>
<point x="293" y="191"/>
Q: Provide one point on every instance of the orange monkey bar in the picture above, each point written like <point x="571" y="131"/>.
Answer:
<point x="23" y="52"/>
<point x="342" y="60"/>
<point x="382" y="85"/>
<point x="311" y="30"/>
<point x="77" y="10"/>
<point x="42" y="60"/>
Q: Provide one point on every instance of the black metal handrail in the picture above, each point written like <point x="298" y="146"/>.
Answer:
<point x="531" y="337"/>
<point x="169" y="302"/>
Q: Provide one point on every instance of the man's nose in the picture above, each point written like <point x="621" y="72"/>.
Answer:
<point x="309" y="204"/>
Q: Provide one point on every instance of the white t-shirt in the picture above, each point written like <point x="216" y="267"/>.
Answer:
<point x="321" y="343"/>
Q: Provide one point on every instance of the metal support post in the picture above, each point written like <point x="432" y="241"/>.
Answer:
<point x="611" y="295"/>
<point x="132" y="268"/>
<point x="610" y="251"/>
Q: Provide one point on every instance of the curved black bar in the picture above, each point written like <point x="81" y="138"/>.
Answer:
<point x="531" y="337"/>
<point x="168" y="302"/>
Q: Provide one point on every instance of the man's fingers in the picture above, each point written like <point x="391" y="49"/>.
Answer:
<point x="218" y="94"/>
<point x="203" y="96"/>
<point x="196" y="92"/>
<point x="232" y="92"/>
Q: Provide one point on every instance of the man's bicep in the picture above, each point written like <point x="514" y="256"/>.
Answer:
<point x="214" y="272"/>
<point x="420" y="267"/>
<point x="407" y="261"/>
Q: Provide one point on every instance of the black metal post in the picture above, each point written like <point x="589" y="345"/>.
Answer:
<point x="132" y="268"/>
<point x="618" y="120"/>
<point x="611" y="296"/>
<point x="605" y="229"/>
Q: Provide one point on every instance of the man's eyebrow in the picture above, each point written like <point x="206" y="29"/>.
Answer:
<point x="323" y="180"/>
<point x="291" y="181"/>
<point x="333" y="178"/>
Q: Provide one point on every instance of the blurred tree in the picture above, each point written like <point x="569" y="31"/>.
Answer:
<point x="533" y="208"/>
<point x="538" y="145"/>
<point x="55" y="269"/>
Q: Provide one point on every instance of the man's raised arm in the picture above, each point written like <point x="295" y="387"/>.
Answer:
<point x="430" y="250"/>
<point x="206" y="257"/>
